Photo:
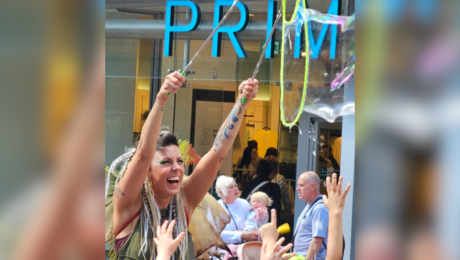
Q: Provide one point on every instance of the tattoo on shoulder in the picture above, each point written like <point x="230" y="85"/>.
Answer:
<point x="118" y="193"/>
<point x="161" y="109"/>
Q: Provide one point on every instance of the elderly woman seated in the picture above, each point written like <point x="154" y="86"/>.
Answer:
<point x="237" y="209"/>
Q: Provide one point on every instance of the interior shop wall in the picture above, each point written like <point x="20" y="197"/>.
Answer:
<point x="121" y="60"/>
<point x="274" y="108"/>
<point x="143" y="65"/>
<point x="210" y="73"/>
<point x="214" y="74"/>
<point x="255" y="118"/>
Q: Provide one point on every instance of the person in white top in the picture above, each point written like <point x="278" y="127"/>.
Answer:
<point x="237" y="209"/>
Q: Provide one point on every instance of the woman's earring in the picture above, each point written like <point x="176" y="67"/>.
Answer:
<point x="150" y="180"/>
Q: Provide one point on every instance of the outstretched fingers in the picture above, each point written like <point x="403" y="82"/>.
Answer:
<point x="345" y="192"/>
<point x="328" y="184"/>
<point x="339" y="185"/>
<point x="334" y="182"/>
<point x="171" y="227"/>
<point x="277" y="245"/>
<point x="285" y="250"/>
<point x="164" y="227"/>
<point x="273" y="218"/>
<point x="179" y="238"/>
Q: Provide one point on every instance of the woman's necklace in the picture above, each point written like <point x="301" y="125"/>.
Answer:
<point x="168" y="213"/>
<point x="164" y="214"/>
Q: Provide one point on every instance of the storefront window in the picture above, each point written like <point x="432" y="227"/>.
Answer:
<point x="136" y="66"/>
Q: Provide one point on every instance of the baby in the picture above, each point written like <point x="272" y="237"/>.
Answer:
<point x="257" y="215"/>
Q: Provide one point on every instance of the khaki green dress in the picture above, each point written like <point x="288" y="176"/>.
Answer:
<point x="203" y="233"/>
<point x="131" y="248"/>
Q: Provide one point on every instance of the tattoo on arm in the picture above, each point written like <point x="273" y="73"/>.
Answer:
<point x="161" y="109"/>
<point x="223" y="134"/>
<point x="118" y="193"/>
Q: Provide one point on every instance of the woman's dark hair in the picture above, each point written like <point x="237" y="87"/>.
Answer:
<point x="252" y="143"/>
<point x="265" y="168"/>
<point x="271" y="151"/>
<point x="246" y="160"/>
<point x="328" y="147"/>
<point x="166" y="138"/>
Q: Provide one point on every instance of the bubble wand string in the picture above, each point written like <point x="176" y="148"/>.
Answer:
<point x="264" y="49"/>
<point x="209" y="37"/>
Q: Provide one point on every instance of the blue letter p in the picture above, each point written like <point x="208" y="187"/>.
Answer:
<point x="169" y="28"/>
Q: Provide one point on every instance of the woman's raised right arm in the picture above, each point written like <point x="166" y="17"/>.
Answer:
<point x="130" y="187"/>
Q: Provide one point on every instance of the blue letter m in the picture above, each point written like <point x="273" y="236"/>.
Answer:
<point x="316" y="47"/>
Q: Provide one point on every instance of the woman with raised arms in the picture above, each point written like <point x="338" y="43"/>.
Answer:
<point x="151" y="187"/>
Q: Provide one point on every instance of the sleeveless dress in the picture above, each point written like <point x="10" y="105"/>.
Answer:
<point x="130" y="250"/>
<point x="204" y="228"/>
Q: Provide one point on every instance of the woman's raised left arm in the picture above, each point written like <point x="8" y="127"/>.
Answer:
<point x="196" y="186"/>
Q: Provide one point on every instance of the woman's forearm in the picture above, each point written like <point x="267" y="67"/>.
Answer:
<point x="130" y="187"/>
<point x="230" y="237"/>
<point x="151" y="129"/>
<point x="334" y="237"/>
<point x="229" y="129"/>
<point x="198" y="184"/>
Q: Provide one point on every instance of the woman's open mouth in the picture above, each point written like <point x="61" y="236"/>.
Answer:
<point x="173" y="180"/>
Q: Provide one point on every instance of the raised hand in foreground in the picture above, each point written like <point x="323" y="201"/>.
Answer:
<point x="166" y="245"/>
<point x="335" y="202"/>
<point x="335" y="198"/>
<point x="269" y="232"/>
<point x="275" y="252"/>
<point x="269" y="235"/>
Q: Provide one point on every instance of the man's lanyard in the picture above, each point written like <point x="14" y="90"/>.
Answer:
<point x="304" y="216"/>
<point x="234" y="222"/>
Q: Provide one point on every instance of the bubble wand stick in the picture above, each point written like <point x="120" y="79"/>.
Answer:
<point x="209" y="37"/>
<point x="264" y="49"/>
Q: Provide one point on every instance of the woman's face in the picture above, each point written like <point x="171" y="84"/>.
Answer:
<point x="232" y="193"/>
<point x="253" y="154"/>
<point x="167" y="170"/>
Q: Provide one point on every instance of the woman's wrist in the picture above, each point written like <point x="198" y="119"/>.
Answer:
<point x="240" y="237"/>
<point x="160" y="98"/>
<point x="335" y="213"/>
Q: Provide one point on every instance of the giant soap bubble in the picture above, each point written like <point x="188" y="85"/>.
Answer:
<point x="317" y="58"/>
